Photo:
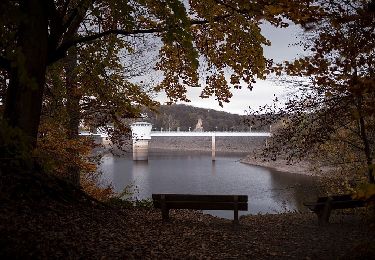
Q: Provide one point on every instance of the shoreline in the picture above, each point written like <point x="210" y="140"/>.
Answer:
<point x="302" y="168"/>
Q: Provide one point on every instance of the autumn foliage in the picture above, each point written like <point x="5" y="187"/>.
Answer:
<point x="57" y="154"/>
<point x="331" y="116"/>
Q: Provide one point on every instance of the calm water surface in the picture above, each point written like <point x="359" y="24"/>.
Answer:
<point x="269" y="191"/>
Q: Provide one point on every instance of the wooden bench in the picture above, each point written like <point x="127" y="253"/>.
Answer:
<point x="165" y="202"/>
<point x="325" y="205"/>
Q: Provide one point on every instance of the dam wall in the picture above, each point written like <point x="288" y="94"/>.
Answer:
<point x="203" y="143"/>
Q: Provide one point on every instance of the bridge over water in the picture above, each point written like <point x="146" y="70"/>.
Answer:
<point x="142" y="135"/>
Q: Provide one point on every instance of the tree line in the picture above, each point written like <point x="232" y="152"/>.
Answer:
<point x="185" y="118"/>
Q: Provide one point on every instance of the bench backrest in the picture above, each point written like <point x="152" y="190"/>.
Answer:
<point x="336" y="198"/>
<point x="208" y="202"/>
<point x="336" y="202"/>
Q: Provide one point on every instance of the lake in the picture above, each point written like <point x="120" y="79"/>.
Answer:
<point x="269" y="191"/>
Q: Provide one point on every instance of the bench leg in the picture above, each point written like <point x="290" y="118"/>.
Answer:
<point x="235" y="217"/>
<point x="325" y="212"/>
<point x="165" y="214"/>
<point x="164" y="209"/>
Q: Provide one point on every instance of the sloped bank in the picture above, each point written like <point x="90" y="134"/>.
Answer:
<point x="281" y="165"/>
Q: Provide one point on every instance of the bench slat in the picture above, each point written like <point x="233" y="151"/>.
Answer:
<point x="347" y="204"/>
<point x="199" y="198"/>
<point x="324" y="205"/>
<point x="336" y="198"/>
<point x="202" y="205"/>
<point x="335" y="204"/>
<point x="201" y="202"/>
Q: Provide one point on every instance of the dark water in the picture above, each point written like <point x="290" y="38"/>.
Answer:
<point x="269" y="191"/>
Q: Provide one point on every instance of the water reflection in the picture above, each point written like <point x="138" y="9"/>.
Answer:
<point x="213" y="168"/>
<point x="291" y="190"/>
<point x="140" y="175"/>
<point x="195" y="173"/>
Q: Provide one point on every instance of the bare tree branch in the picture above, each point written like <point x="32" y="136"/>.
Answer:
<point x="60" y="52"/>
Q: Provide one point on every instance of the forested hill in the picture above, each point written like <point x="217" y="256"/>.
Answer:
<point x="185" y="117"/>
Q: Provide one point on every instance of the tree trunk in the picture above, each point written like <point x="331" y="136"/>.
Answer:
<point x="365" y="140"/>
<point x="73" y="109"/>
<point x="366" y="143"/>
<point x="24" y="95"/>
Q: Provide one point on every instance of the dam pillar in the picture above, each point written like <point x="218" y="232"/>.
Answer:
<point x="141" y="135"/>
<point x="213" y="147"/>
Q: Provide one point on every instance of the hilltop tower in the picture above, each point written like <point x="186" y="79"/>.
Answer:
<point x="199" y="126"/>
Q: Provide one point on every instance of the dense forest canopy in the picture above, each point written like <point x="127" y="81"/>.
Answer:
<point x="185" y="117"/>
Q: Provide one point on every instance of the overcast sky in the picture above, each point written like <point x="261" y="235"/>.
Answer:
<point x="282" y="48"/>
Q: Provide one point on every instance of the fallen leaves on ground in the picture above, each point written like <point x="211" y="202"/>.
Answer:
<point x="49" y="228"/>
